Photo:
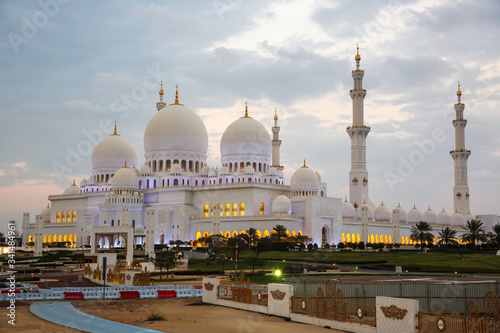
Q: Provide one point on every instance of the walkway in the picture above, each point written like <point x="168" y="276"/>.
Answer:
<point x="63" y="313"/>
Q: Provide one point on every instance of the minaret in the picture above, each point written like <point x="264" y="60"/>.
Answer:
<point x="276" y="143"/>
<point x="358" y="176"/>
<point x="460" y="156"/>
<point x="160" y="105"/>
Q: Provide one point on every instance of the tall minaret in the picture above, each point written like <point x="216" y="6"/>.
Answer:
<point x="276" y="143"/>
<point x="160" y="105"/>
<point x="460" y="156"/>
<point x="358" y="176"/>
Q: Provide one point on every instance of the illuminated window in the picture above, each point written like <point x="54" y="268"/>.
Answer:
<point x="242" y="209"/>
<point x="235" y="209"/>
<point x="227" y="234"/>
<point x="353" y="238"/>
<point x="50" y="238"/>
<point x="390" y="239"/>
<point x="261" y="208"/>
<point x="385" y="239"/>
<point x="205" y="234"/>
<point x="402" y="239"/>
<point x="68" y="216"/>
<point x="60" y="239"/>
<point x="372" y="239"/>
<point x="73" y="216"/>
<point x="300" y="233"/>
<point x="205" y="211"/>
<point x="221" y="210"/>
<point x="227" y="210"/>
<point x="376" y="239"/>
<point x="235" y="234"/>
<point x="198" y="234"/>
<point x="358" y="238"/>
<point x="294" y="233"/>
<point x="58" y="216"/>
<point x="211" y="210"/>
<point x="266" y="233"/>
<point x="343" y="237"/>
<point x="258" y="234"/>
<point x="63" y="218"/>
<point x="44" y="239"/>
<point x="65" y="239"/>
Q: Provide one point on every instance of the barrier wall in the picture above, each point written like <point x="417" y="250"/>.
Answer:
<point x="396" y="315"/>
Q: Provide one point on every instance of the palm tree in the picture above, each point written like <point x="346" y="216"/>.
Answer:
<point x="475" y="233"/>
<point x="252" y="235"/>
<point x="447" y="236"/>
<point x="494" y="237"/>
<point x="280" y="231"/>
<point x="421" y="232"/>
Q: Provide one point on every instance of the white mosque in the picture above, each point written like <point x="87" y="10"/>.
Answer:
<point x="174" y="194"/>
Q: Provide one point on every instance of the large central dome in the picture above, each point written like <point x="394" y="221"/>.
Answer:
<point x="176" y="128"/>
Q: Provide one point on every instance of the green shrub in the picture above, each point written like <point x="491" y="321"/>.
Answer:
<point x="155" y="316"/>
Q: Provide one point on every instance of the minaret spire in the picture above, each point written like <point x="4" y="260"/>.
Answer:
<point x="246" y="109"/>
<point x="176" y="102"/>
<point x="460" y="156"/>
<point x="358" y="176"/>
<point x="276" y="143"/>
<point x="115" y="133"/>
<point x="160" y="105"/>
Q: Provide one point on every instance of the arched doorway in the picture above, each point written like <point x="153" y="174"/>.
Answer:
<point x="325" y="235"/>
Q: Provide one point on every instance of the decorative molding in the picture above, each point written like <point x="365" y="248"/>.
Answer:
<point x="393" y="312"/>
<point x="278" y="294"/>
<point x="209" y="286"/>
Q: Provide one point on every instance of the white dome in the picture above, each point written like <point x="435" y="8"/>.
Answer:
<point x="139" y="230"/>
<point x="382" y="213"/>
<point x="249" y="170"/>
<point x="223" y="171"/>
<point x="371" y="213"/>
<point x="457" y="219"/>
<point x="443" y="217"/>
<point x="318" y="175"/>
<point x="176" y="128"/>
<point x="212" y="173"/>
<point x="112" y="152"/>
<point x="175" y="169"/>
<point x="414" y="215"/>
<point x="403" y="215"/>
<point x="304" y="179"/>
<point x="83" y="182"/>
<point x="46" y="214"/>
<point x="124" y="179"/>
<point x="272" y="171"/>
<point x="205" y="170"/>
<point x="90" y="180"/>
<point x="145" y="170"/>
<point x="136" y="171"/>
<point x="72" y="189"/>
<point x="371" y="203"/>
<point x="348" y="209"/>
<point x="246" y="137"/>
<point x="469" y="217"/>
<point x="429" y="216"/>
<point x="281" y="205"/>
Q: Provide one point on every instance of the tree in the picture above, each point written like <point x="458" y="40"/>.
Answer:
<point x="494" y="237"/>
<point x="280" y="232"/>
<point x="252" y="235"/>
<point x="421" y="232"/>
<point x="447" y="236"/>
<point x="474" y="233"/>
<point x="165" y="259"/>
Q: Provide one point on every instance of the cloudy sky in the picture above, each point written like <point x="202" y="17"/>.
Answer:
<point x="69" y="68"/>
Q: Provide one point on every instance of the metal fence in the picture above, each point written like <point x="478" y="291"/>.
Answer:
<point x="241" y="290"/>
<point x="432" y="297"/>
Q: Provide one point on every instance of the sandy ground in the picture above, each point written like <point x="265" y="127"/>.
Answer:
<point x="181" y="314"/>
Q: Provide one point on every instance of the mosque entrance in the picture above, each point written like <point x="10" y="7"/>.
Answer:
<point x="325" y="235"/>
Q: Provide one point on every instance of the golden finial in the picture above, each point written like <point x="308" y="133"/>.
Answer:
<point x="246" y="109"/>
<point x="459" y="93"/>
<point x="357" y="57"/>
<point x="429" y="207"/>
<point x="345" y="199"/>
<point x="125" y="166"/>
<point x="275" y="114"/>
<point x="399" y="205"/>
<point x="382" y="203"/>
<point x="161" y="89"/>
<point x="304" y="166"/>
<point x="364" y="202"/>
<point x="176" y="94"/>
<point x="414" y="207"/>
<point x="115" y="133"/>
<point x="74" y="183"/>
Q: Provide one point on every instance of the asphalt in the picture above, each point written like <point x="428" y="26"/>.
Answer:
<point x="63" y="313"/>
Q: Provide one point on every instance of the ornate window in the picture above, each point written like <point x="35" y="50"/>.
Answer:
<point x="261" y="208"/>
<point x="242" y="209"/>
<point x="205" y="211"/>
<point x="235" y="209"/>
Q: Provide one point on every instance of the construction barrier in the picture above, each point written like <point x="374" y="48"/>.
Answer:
<point x="129" y="294"/>
<point x="167" y="293"/>
<point x="73" y="295"/>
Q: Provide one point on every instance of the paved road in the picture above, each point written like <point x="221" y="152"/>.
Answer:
<point x="63" y="313"/>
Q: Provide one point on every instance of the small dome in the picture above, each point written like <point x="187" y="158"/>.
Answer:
<point x="429" y="216"/>
<point x="90" y="180"/>
<point x="125" y="179"/>
<point x="145" y="170"/>
<point x="212" y="173"/>
<point x="136" y="171"/>
<point x="318" y="175"/>
<point x="371" y="213"/>
<point x="224" y="171"/>
<point x="83" y="182"/>
<point x="205" y="170"/>
<point x="272" y="171"/>
<point x="112" y="152"/>
<point x="443" y="217"/>
<point x="304" y="179"/>
<point x="348" y="210"/>
<point x="403" y="215"/>
<point x="72" y="189"/>
<point x="139" y="230"/>
<point x="46" y="214"/>
<point x="457" y="219"/>
<point x="469" y="217"/>
<point x="281" y="205"/>
<point x="249" y="170"/>
<point x="382" y="213"/>
<point x="414" y="215"/>
<point x="176" y="169"/>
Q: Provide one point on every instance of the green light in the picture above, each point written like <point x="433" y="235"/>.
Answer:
<point x="277" y="272"/>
